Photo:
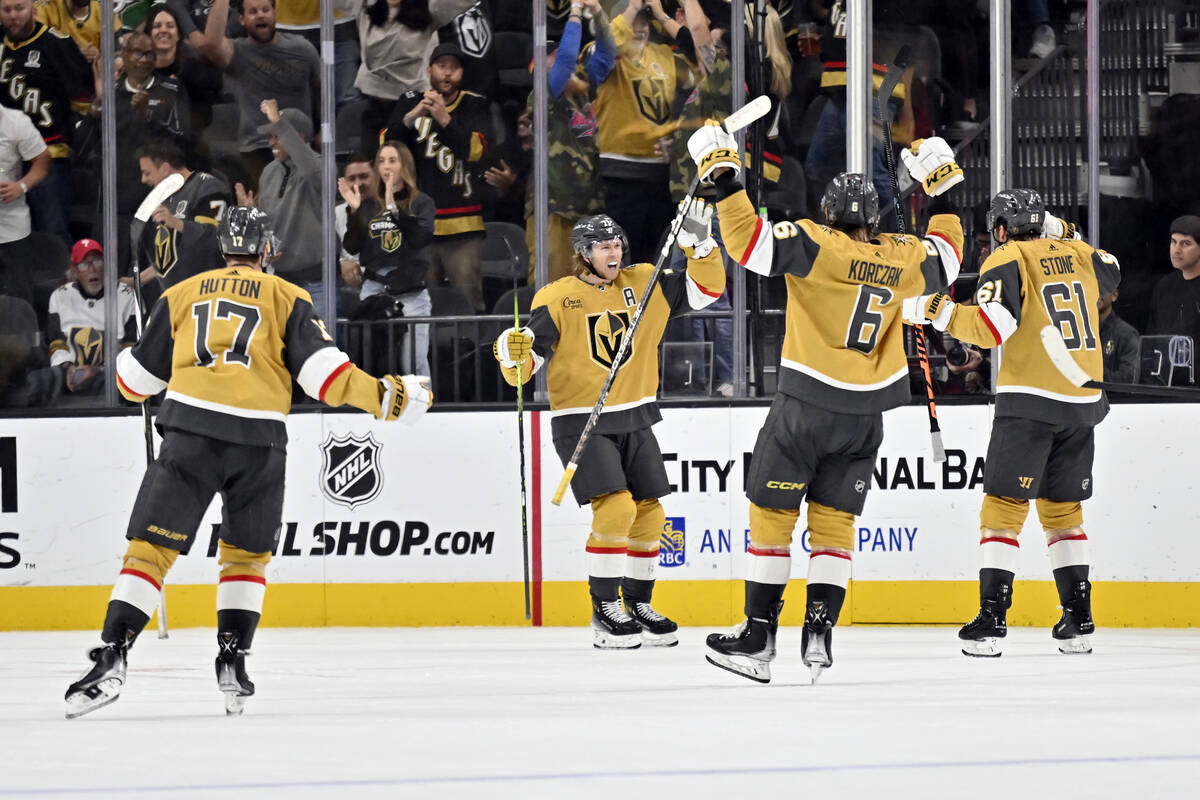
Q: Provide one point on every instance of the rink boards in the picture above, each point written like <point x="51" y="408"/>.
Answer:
<point x="392" y="525"/>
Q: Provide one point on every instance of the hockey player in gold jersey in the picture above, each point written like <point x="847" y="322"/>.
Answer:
<point x="843" y="365"/>
<point x="1042" y="443"/>
<point x="580" y="321"/>
<point x="226" y="345"/>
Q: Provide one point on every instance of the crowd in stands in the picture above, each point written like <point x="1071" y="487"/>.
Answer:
<point x="434" y="142"/>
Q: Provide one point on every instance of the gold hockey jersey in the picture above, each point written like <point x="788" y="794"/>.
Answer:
<point x="226" y="344"/>
<point x="1025" y="285"/>
<point x="581" y="326"/>
<point x="843" y="348"/>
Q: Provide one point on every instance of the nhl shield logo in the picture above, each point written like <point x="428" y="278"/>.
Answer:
<point x="350" y="475"/>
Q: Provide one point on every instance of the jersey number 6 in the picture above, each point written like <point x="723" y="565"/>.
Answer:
<point x="863" y="333"/>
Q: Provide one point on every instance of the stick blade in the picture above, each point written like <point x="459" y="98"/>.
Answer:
<point x="754" y="110"/>
<point x="1060" y="356"/>
<point x="161" y="191"/>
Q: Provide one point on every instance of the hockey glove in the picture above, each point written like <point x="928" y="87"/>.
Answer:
<point x="1055" y="228"/>
<point x="712" y="149"/>
<point x="405" y="397"/>
<point x="513" y="346"/>
<point x="931" y="161"/>
<point x="928" y="309"/>
<point x="695" y="234"/>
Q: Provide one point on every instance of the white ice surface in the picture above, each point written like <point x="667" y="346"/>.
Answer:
<point x="507" y="712"/>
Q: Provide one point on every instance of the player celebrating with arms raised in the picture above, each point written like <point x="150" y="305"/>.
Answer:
<point x="1042" y="435"/>
<point x="580" y="320"/>
<point x="226" y="345"/>
<point x="843" y="365"/>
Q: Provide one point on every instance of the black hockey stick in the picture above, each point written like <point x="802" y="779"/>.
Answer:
<point x="756" y="108"/>
<point x="164" y="189"/>
<point x="521" y="447"/>
<point x="899" y="64"/>
<point x="1060" y="356"/>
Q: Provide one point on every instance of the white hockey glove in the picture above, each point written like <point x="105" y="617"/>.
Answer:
<point x="405" y="397"/>
<point x="931" y="161"/>
<point x="695" y="234"/>
<point x="513" y="346"/>
<point x="928" y="309"/>
<point x="1055" y="228"/>
<point x="712" y="149"/>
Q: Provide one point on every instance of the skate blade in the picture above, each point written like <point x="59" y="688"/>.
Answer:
<point x="234" y="704"/>
<point x="982" y="648"/>
<point x="745" y="666"/>
<point x="1076" y="645"/>
<point x="659" y="639"/>
<point x="79" y="703"/>
<point x="815" y="671"/>
<point x="603" y="640"/>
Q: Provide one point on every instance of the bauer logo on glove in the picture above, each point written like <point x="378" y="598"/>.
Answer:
<point x="931" y="161"/>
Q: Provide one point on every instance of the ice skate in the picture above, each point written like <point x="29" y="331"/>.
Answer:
<point x="612" y="628"/>
<point x="657" y="630"/>
<point x="981" y="636"/>
<point x="102" y="683"/>
<point x="231" y="673"/>
<point x="816" y="640"/>
<point x="747" y="650"/>
<point x="1074" y="630"/>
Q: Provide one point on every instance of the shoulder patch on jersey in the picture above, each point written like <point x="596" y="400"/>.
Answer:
<point x="1105" y="256"/>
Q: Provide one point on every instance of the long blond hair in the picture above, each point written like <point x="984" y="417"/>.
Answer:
<point x="408" y="175"/>
<point x="777" y="52"/>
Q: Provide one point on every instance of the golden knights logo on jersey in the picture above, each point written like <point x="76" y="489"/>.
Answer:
<point x="389" y="238"/>
<point x="606" y="330"/>
<point x="672" y="543"/>
<point x="350" y="472"/>
<point x="89" y="346"/>
<point x="557" y="9"/>
<point x="651" y="94"/>
<point x="166" y="255"/>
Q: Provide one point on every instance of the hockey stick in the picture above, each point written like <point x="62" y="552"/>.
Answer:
<point x="1060" y="356"/>
<point x="521" y="447"/>
<point x="164" y="189"/>
<point x="756" y="108"/>
<point x="899" y="64"/>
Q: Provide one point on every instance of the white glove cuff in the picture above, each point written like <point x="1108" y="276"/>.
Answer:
<point x="419" y="398"/>
<point x="702" y="249"/>
<point x="941" y="320"/>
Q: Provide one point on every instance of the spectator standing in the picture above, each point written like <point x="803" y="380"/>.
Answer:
<point x="290" y="191"/>
<point x="75" y="325"/>
<point x="1175" y="304"/>
<point x="635" y="109"/>
<point x="182" y="239"/>
<point x="19" y="142"/>
<point x="573" y="179"/>
<point x="177" y="60"/>
<point x="79" y="19"/>
<point x="43" y="74"/>
<point x="395" y="36"/>
<point x="1120" y="342"/>
<point x="391" y="230"/>
<point x="448" y="129"/>
<point x="266" y="63"/>
<point x="193" y="20"/>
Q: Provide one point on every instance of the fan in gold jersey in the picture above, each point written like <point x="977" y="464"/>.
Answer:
<point x="843" y="364"/>
<point x="576" y="328"/>
<point x="226" y="345"/>
<point x="1042" y="440"/>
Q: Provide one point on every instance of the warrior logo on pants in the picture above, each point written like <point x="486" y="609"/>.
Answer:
<point x="605" y="332"/>
<point x="350" y="475"/>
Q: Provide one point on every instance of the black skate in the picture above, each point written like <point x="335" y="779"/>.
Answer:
<point x="231" y="673"/>
<point x="612" y="628"/>
<point x="657" y="630"/>
<point x="748" y="650"/>
<point x="102" y="684"/>
<point x="816" y="640"/>
<point x="981" y="636"/>
<point x="1074" y="630"/>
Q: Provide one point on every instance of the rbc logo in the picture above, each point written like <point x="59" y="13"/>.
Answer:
<point x="671" y="543"/>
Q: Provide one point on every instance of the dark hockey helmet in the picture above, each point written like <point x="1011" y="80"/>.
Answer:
<point x="850" y="201"/>
<point x="245" y="231"/>
<point x="600" y="228"/>
<point x="1020" y="211"/>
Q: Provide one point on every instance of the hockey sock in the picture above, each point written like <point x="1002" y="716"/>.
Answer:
<point x="607" y="546"/>
<point x="135" y="593"/>
<point x="241" y="591"/>
<point x="831" y="542"/>
<point x="763" y="600"/>
<point x="644" y="536"/>
<point x="770" y="551"/>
